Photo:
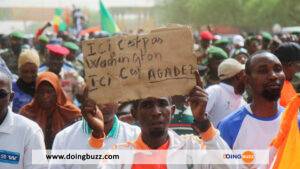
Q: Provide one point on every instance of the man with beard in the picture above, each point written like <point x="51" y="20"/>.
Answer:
<point x="256" y="124"/>
<point x="154" y="115"/>
<point x="11" y="56"/>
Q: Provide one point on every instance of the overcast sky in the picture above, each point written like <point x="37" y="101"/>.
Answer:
<point x="92" y="4"/>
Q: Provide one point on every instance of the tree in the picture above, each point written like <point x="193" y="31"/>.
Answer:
<point x="249" y="15"/>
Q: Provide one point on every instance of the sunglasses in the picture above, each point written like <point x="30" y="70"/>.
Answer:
<point x="3" y="93"/>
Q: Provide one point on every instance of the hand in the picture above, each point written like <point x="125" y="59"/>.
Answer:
<point x="198" y="99"/>
<point x="93" y="115"/>
<point x="48" y="24"/>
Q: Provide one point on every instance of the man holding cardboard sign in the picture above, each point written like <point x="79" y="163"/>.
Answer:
<point x="153" y="115"/>
<point x="170" y="71"/>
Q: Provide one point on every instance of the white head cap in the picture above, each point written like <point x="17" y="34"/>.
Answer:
<point x="238" y="40"/>
<point x="229" y="68"/>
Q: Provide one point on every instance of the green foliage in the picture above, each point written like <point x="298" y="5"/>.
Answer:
<point x="249" y="15"/>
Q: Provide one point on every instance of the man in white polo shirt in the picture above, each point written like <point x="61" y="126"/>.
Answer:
<point x="18" y="135"/>
<point x="77" y="135"/>
<point x="226" y="97"/>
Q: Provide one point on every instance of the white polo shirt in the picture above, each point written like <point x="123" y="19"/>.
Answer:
<point x="77" y="135"/>
<point x="18" y="137"/>
<point x="221" y="102"/>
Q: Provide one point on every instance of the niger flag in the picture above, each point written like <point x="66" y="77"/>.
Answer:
<point x="287" y="142"/>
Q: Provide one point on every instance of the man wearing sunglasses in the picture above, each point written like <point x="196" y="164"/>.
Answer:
<point x="18" y="135"/>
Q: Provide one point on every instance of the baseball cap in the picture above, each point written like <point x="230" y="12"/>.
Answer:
<point x="238" y="40"/>
<point x="229" y="68"/>
<point x="57" y="50"/>
<point x="206" y="35"/>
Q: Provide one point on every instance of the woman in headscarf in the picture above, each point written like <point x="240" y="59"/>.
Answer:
<point x="24" y="87"/>
<point x="50" y="107"/>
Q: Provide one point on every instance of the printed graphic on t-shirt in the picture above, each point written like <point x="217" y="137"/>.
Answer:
<point x="9" y="157"/>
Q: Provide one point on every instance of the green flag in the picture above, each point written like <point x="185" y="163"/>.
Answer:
<point x="108" y="24"/>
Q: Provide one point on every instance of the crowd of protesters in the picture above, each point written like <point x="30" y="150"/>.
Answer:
<point x="244" y="84"/>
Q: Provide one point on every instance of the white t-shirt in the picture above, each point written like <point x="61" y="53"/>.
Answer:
<point x="222" y="101"/>
<point x="76" y="137"/>
<point x="18" y="137"/>
<point x="242" y="130"/>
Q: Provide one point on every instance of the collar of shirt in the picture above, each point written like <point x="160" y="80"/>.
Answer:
<point x="8" y="123"/>
<point x="227" y="87"/>
<point x="113" y="133"/>
<point x="141" y="145"/>
<point x="280" y="110"/>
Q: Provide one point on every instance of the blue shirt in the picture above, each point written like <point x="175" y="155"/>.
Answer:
<point x="20" y="98"/>
<point x="66" y="67"/>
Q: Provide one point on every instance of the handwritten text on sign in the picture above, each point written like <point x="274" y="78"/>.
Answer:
<point x="122" y="68"/>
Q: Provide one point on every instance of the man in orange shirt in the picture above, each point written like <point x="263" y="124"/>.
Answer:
<point x="154" y="115"/>
<point x="289" y="55"/>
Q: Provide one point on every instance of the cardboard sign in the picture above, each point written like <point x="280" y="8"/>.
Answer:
<point x="122" y="68"/>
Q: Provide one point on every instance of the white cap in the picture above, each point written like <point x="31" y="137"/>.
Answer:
<point x="229" y="68"/>
<point x="238" y="40"/>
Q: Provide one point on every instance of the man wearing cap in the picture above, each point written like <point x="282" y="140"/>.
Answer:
<point x="12" y="54"/>
<point x="71" y="81"/>
<point x="238" y="42"/>
<point x="40" y="46"/>
<point x="223" y="43"/>
<point x="206" y="38"/>
<point x="72" y="58"/>
<point x="289" y="55"/>
<point x="226" y="97"/>
<point x="241" y="55"/>
<point x="266" y="39"/>
<point x="215" y="56"/>
<point x="40" y="31"/>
